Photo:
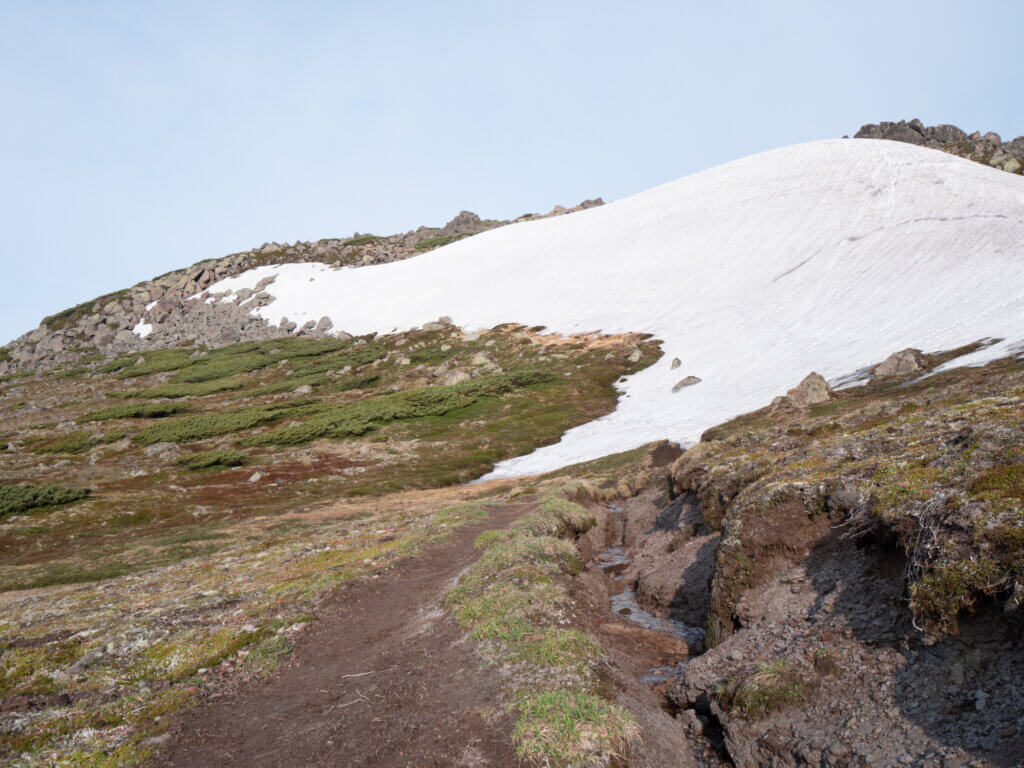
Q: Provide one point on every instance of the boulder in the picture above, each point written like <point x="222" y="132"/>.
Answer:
<point x="162" y="450"/>
<point x="456" y="377"/>
<point x="901" y="363"/>
<point x="689" y="381"/>
<point x="813" y="389"/>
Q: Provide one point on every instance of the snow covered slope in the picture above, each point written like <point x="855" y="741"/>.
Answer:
<point x="824" y="256"/>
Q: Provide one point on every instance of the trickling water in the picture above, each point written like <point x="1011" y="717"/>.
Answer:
<point x="625" y="604"/>
<point x="614" y="561"/>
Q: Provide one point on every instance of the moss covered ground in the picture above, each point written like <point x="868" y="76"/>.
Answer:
<point x="931" y="463"/>
<point x="179" y="514"/>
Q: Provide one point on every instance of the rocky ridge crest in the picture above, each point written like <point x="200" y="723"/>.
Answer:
<point x="174" y="303"/>
<point x="988" y="148"/>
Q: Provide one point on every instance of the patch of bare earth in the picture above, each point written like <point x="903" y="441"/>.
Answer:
<point x="386" y="678"/>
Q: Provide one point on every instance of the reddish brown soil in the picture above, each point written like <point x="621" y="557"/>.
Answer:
<point x="385" y="678"/>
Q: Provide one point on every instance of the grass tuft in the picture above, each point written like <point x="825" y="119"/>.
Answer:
<point x="514" y="598"/>
<point x="769" y="688"/>
<point x="572" y="729"/>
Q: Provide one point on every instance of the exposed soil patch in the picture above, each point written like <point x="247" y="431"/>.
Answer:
<point x="386" y="678"/>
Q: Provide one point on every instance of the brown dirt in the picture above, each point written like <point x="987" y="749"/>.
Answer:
<point x="386" y="678"/>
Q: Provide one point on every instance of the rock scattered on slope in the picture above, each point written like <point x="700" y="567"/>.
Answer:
<point x="901" y="363"/>
<point x="813" y="389"/>
<point x="689" y="381"/>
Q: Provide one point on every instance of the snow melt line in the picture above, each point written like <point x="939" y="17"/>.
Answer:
<point x="895" y="246"/>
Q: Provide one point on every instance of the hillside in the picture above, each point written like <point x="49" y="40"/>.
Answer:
<point x="727" y="472"/>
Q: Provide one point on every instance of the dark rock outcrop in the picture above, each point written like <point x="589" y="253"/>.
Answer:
<point x="986" y="148"/>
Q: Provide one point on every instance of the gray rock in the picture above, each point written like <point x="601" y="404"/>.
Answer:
<point x="466" y="221"/>
<point x="156" y="449"/>
<point x="813" y="389"/>
<point x="901" y="363"/>
<point x="456" y="377"/>
<point x="689" y="381"/>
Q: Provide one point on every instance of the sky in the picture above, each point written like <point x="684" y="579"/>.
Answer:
<point x="142" y="137"/>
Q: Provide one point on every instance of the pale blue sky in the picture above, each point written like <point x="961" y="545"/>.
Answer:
<point x="138" y="137"/>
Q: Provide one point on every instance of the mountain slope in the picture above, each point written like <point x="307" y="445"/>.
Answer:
<point x="827" y="255"/>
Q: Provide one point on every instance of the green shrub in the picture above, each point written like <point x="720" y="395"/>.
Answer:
<point x="431" y="243"/>
<point x="158" y="361"/>
<point x="117" y="364"/>
<point x="188" y="429"/>
<point x="362" y="416"/>
<point x="219" y="458"/>
<point x="113" y="437"/>
<point x="174" y="389"/>
<point x="73" y="442"/>
<point x="15" y="499"/>
<point x="70" y="373"/>
<point x="136" y="411"/>
<point x="361" y="240"/>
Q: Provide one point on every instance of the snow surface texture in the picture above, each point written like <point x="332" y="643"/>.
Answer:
<point x="825" y="256"/>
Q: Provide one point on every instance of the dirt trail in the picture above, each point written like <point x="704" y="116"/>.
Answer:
<point x="385" y="678"/>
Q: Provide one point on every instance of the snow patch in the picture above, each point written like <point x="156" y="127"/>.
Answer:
<point x="142" y="329"/>
<point x="825" y="256"/>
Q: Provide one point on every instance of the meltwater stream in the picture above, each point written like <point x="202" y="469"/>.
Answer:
<point x="614" y="561"/>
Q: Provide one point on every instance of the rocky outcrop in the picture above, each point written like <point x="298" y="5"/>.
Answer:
<point x="172" y="309"/>
<point x="984" y="148"/>
<point x="865" y="605"/>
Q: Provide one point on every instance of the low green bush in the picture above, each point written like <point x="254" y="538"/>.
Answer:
<point x="15" y="499"/>
<point x="361" y="240"/>
<point x="136" y="411"/>
<point x="72" y="442"/>
<point x="360" y="417"/>
<point x="187" y="429"/>
<point x="218" y="458"/>
<point x="431" y="243"/>
<point x="175" y="389"/>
